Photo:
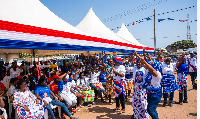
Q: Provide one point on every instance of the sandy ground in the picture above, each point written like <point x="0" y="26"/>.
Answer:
<point x="104" y="110"/>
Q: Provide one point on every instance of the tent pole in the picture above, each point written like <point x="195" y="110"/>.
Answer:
<point x="34" y="55"/>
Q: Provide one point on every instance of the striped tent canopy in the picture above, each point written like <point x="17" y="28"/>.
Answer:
<point x="28" y="24"/>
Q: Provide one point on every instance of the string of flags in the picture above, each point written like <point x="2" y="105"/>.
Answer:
<point x="159" y="20"/>
<point x="134" y="10"/>
<point x="167" y="37"/>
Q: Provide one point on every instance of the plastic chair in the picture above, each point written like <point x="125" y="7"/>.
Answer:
<point x="10" y="107"/>
<point x="16" y="117"/>
<point x="4" y="113"/>
<point x="53" y="107"/>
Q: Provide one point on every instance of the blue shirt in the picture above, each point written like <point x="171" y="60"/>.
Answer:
<point x="60" y="85"/>
<point x="41" y="89"/>
<point x="183" y="68"/>
<point x="128" y="75"/>
<point x="102" y="77"/>
<point x="35" y="80"/>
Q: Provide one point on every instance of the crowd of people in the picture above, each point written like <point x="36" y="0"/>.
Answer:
<point x="34" y="89"/>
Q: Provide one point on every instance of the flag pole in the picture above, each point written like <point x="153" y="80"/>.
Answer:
<point x="154" y="33"/>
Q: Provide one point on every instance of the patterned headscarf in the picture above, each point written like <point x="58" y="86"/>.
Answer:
<point x="157" y="66"/>
<point x="118" y="59"/>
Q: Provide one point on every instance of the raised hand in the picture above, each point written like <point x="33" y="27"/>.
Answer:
<point x="160" y="52"/>
<point x="103" y="54"/>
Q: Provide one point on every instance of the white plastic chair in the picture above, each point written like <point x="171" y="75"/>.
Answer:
<point x="4" y="113"/>
<point x="10" y="107"/>
<point x="53" y="107"/>
<point x="16" y="117"/>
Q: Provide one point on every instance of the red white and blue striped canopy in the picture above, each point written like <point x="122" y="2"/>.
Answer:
<point x="28" y="24"/>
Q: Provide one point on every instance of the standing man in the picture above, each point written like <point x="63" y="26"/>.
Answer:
<point x="192" y="65"/>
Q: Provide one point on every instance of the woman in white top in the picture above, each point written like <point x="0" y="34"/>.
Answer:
<point x="119" y="84"/>
<point x="168" y="80"/>
<point x="139" y="98"/>
<point x="14" y="71"/>
<point x="95" y="83"/>
<point x="152" y="84"/>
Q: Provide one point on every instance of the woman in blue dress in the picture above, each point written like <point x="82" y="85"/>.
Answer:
<point x="182" y="79"/>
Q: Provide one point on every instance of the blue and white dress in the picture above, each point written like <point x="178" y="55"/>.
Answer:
<point x="168" y="79"/>
<point x="119" y="82"/>
<point x="182" y="76"/>
<point x="139" y="98"/>
<point x="129" y="77"/>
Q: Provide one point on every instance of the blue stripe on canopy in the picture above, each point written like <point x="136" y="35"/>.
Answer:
<point x="19" y="44"/>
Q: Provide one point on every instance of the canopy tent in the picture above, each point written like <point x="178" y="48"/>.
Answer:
<point x="125" y="34"/>
<point x="92" y="24"/>
<point x="28" y="24"/>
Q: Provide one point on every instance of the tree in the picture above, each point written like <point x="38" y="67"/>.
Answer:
<point x="184" y="44"/>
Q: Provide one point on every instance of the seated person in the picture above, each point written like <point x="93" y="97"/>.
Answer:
<point x="74" y="89"/>
<point x="54" y="85"/>
<point x="94" y="83"/>
<point x="2" y="105"/>
<point x="65" y="92"/>
<point x="28" y="106"/>
<point x="84" y="85"/>
<point x="41" y="89"/>
<point x="12" y="88"/>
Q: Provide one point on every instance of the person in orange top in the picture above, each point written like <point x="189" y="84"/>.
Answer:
<point x="54" y="85"/>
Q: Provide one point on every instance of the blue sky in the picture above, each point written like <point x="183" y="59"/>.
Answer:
<point x="73" y="11"/>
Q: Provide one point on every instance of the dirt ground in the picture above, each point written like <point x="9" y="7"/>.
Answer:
<point x="104" y="110"/>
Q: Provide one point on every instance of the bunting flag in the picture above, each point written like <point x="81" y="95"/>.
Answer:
<point x="182" y="20"/>
<point x="170" y="19"/>
<point x="134" y="10"/>
<point x="159" y="20"/>
<point x="148" y="18"/>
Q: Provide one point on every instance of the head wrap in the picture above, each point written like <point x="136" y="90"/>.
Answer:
<point x="157" y="66"/>
<point x="118" y="59"/>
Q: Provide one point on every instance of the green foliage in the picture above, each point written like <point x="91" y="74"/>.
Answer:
<point x="184" y="44"/>
<point x="25" y="55"/>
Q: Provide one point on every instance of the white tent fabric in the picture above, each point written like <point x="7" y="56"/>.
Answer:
<point x="34" y="13"/>
<point x="92" y="24"/>
<point x="125" y="34"/>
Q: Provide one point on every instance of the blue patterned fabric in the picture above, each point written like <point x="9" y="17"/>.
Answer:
<point x="151" y="91"/>
<point x="149" y="62"/>
<point x="139" y="98"/>
<point x="157" y="66"/>
<point x="147" y="80"/>
<point x="128" y="75"/>
<point x="183" y="68"/>
<point x="169" y="83"/>
<point x="120" y="88"/>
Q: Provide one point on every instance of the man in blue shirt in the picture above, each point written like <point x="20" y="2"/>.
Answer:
<point x="41" y="89"/>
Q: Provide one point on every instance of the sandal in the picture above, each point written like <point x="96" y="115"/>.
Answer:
<point x="116" y="109"/>
<point x="120" y="112"/>
<point x="64" y="116"/>
<point x="74" y="111"/>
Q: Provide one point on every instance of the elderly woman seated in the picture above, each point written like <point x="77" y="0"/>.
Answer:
<point x="27" y="104"/>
